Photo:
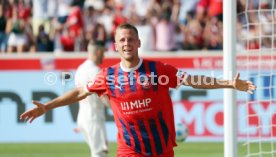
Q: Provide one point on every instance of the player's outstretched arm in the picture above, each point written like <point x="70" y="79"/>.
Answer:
<point x="205" y="82"/>
<point x="70" y="97"/>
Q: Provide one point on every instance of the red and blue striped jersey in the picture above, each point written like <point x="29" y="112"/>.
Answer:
<point x="141" y="105"/>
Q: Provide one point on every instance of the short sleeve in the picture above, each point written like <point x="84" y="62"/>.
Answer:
<point x="175" y="76"/>
<point x="97" y="84"/>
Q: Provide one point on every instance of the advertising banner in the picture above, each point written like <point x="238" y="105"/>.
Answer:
<point x="25" y="79"/>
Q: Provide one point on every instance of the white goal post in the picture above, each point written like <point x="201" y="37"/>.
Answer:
<point x="229" y="69"/>
<point x="253" y="31"/>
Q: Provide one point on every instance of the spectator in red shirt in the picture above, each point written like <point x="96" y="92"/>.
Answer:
<point x="211" y="7"/>
<point x="75" y="20"/>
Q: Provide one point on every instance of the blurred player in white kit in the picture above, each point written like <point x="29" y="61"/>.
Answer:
<point x="91" y="118"/>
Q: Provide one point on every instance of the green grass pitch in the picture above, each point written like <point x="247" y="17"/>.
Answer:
<point x="187" y="149"/>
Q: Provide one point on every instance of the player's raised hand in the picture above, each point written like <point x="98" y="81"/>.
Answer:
<point x="243" y="85"/>
<point x="33" y="113"/>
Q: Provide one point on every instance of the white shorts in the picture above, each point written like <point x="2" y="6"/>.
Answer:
<point x="17" y="39"/>
<point x="95" y="135"/>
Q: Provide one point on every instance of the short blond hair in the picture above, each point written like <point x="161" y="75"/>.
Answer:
<point x="127" y="26"/>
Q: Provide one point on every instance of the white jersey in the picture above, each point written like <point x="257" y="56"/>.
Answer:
<point x="91" y="118"/>
<point x="90" y="108"/>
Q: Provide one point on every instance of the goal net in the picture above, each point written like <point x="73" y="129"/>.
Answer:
<point x="256" y="45"/>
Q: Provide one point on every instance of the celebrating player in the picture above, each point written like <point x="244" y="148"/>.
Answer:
<point x="138" y="90"/>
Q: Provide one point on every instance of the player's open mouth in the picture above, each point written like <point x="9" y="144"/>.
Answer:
<point x="127" y="51"/>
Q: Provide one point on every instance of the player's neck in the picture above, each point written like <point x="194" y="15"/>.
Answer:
<point x="130" y="64"/>
<point x="127" y="65"/>
<point x="97" y="62"/>
<point x="94" y="60"/>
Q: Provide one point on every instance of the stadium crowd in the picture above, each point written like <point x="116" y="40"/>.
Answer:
<point x="164" y="25"/>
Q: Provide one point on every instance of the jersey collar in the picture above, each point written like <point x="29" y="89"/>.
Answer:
<point x="131" y="69"/>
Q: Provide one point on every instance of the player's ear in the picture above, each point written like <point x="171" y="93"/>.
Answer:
<point x="139" y="43"/>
